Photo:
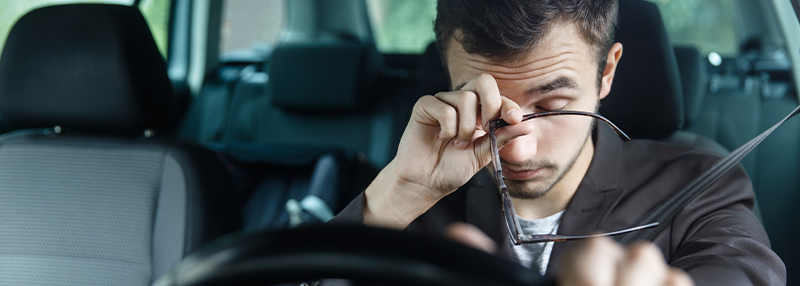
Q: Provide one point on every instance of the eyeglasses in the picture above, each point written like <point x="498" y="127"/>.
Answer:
<point x="512" y="221"/>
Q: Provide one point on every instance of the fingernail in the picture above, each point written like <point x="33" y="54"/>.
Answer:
<point x="514" y="113"/>
<point x="462" y="144"/>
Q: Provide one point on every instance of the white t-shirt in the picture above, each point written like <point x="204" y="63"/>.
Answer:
<point x="536" y="255"/>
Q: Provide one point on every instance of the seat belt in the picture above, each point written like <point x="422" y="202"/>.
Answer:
<point x="665" y="212"/>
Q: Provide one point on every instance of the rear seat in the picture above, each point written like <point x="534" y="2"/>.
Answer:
<point x="207" y="116"/>
<point x="266" y="108"/>
<point x="319" y="118"/>
<point x="320" y="95"/>
<point x="700" y="118"/>
<point x="269" y="176"/>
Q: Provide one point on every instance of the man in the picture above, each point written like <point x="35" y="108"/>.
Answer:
<point x="565" y="175"/>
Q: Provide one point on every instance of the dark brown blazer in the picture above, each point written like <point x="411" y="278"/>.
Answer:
<point x="716" y="238"/>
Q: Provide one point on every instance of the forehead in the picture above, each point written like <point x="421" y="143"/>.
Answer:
<point x="562" y="52"/>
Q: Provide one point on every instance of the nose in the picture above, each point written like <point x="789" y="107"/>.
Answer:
<point x="523" y="148"/>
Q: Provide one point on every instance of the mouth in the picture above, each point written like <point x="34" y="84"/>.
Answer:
<point x="520" y="175"/>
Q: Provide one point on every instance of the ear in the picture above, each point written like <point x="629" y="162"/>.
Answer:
<point x="612" y="60"/>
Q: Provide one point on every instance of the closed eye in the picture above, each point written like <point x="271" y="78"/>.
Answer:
<point x="538" y="108"/>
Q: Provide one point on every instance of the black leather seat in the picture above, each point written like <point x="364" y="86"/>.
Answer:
<point x="102" y="195"/>
<point x="694" y="80"/>
<point x="646" y="100"/>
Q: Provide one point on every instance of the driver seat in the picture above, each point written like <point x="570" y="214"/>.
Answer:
<point x="95" y="191"/>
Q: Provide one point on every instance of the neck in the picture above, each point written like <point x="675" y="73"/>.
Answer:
<point x="561" y="193"/>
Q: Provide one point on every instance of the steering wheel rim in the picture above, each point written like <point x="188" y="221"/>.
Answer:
<point x="365" y="254"/>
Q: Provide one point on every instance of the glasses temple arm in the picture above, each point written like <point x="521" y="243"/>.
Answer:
<point x="500" y="122"/>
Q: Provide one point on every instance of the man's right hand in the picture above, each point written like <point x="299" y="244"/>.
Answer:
<point x="442" y="147"/>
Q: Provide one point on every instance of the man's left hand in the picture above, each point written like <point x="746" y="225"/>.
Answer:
<point x="603" y="262"/>
<point x="596" y="262"/>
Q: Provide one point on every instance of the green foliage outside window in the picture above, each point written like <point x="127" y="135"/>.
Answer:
<point x="406" y="26"/>
<point x="402" y="26"/>
<point x="156" y="12"/>
<point x="708" y="25"/>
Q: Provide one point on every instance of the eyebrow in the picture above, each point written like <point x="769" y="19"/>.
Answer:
<point x="557" y="84"/>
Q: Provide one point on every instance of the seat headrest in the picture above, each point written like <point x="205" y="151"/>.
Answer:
<point x="693" y="79"/>
<point x="433" y="77"/>
<point x="85" y="66"/>
<point x="329" y="76"/>
<point x="646" y="99"/>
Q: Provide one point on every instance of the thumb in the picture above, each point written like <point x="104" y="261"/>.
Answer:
<point x="502" y="137"/>
<point x="470" y="235"/>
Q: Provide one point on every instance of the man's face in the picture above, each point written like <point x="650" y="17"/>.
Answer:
<point x="561" y="73"/>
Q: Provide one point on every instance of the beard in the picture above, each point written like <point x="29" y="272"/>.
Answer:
<point x="551" y="174"/>
<point x="540" y="185"/>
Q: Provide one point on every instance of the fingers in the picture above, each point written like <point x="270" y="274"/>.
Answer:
<point x="485" y="86"/>
<point x="592" y="262"/>
<point x="506" y="134"/>
<point x="466" y="105"/>
<point x="432" y="111"/>
<point x="470" y="235"/>
<point x="603" y="262"/>
<point x="492" y="104"/>
<point x="678" y="277"/>
<point x="462" y="112"/>
<point x="510" y="111"/>
<point x="643" y="264"/>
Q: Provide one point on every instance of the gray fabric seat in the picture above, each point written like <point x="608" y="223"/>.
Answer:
<point x="102" y="195"/>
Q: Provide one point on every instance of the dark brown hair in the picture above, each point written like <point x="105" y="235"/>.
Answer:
<point x="504" y="30"/>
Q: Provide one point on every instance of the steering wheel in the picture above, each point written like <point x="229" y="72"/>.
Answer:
<point x="374" y="255"/>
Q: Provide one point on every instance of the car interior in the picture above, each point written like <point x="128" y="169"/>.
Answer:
<point x="206" y="142"/>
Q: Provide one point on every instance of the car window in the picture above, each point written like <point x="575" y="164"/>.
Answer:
<point x="250" y="27"/>
<point x="156" y="12"/>
<point x="708" y="25"/>
<point x="402" y="26"/>
<point x="406" y="27"/>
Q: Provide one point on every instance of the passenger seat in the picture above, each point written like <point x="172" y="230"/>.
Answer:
<point x="102" y="195"/>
